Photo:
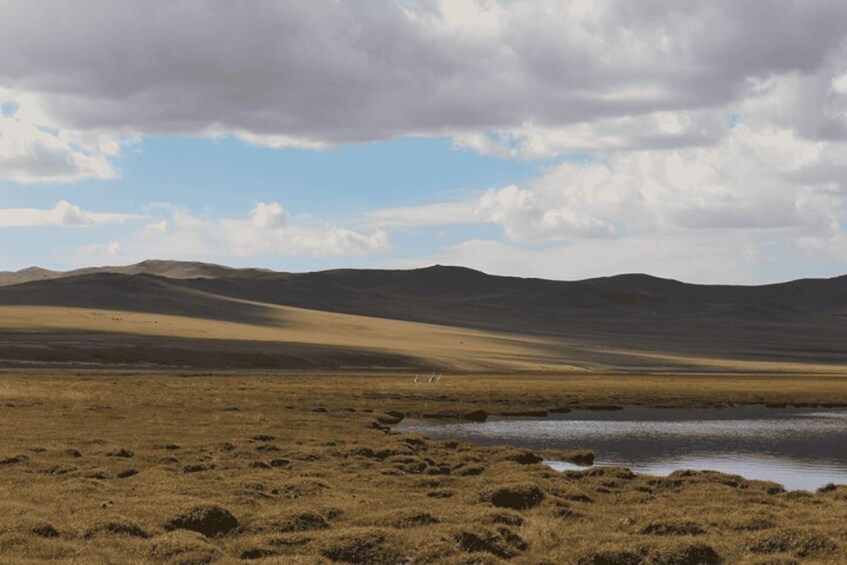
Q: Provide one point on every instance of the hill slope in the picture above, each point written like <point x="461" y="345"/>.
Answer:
<point x="803" y="321"/>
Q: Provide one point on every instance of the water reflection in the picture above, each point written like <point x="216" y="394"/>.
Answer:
<point x="799" y="448"/>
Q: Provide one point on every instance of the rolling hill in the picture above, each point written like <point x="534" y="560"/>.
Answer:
<point x="626" y="320"/>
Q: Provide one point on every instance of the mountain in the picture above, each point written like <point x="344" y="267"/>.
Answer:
<point x="168" y="269"/>
<point x="799" y="321"/>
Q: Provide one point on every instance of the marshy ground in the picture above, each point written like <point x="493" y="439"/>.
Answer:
<point x="106" y="467"/>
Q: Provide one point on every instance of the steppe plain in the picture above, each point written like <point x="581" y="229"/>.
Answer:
<point x="161" y="423"/>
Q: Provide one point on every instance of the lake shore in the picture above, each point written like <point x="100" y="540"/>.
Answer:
<point x="100" y="466"/>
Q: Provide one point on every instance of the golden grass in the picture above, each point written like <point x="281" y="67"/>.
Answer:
<point x="458" y="348"/>
<point x="298" y="461"/>
<point x="447" y="347"/>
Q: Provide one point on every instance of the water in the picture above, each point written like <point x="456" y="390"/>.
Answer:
<point x="800" y="448"/>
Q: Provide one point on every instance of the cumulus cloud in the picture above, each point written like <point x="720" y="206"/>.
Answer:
<point x="63" y="214"/>
<point x="518" y="78"/>
<point x="768" y="178"/>
<point x="266" y="230"/>
<point x="31" y="152"/>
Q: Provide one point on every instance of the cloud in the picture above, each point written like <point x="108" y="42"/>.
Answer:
<point x="63" y="214"/>
<point x="30" y="152"/>
<point x="753" y="179"/>
<point x="526" y="79"/>
<point x="265" y="231"/>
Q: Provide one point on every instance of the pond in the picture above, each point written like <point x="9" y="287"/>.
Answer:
<point x="800" y="448"/>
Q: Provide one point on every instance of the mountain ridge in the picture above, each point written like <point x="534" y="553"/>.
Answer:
<point x="802" y="319"/>
<point x="200" y="269"/>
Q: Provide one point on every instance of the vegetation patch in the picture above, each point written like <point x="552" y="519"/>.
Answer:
<point x="672" y="529"/>
<point x="361" y="547"/>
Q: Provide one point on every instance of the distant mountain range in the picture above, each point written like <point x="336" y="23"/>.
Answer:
<point x="803" y="320"/>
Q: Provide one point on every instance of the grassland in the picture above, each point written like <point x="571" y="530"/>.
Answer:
<point x="98" y="467"/>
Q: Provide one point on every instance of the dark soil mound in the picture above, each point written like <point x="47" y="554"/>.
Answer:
<point x="302" y="523"/>
<point x="211" y="521"/>
<point x="476" y="416"/>
<point x="696" y="554"/>
<point x="612" y="558"/>
<point x="518" y="497"/>
<point x="257" y="553"/>
<point x="45" y="531"/>
<point x="524" y="457"/>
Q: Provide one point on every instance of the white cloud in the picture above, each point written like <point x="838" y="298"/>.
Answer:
<point x="528" y="214"/>
<point x="839" y="84"/>
<point x="770" y="178"/>
<point x="30" y="153"/>
<point x="265" y="231"/>
<point x="268" y="216"/>
<point x="63" y="214"/>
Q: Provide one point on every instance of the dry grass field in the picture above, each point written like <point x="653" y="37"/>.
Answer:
<point x="121" y="467"/>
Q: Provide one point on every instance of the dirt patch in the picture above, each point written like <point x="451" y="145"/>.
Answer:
<point x="45" y="531"/>
<point x="257" y="553"/>
<point x="695" y="554"/>
<point x="612" y="557"/>
<point x="211" y="521"/>
<point x="516" y="497"/>
<point x="476" y="416"/>
<point x="520" y="456"/>
<point x="194" y="468"/>
<point x="301" y="523"/>
<point x="577" y="457"/>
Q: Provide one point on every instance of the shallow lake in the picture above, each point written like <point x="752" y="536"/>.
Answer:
<point x="800" y="448"/>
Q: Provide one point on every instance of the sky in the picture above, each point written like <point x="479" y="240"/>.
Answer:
<point x="700" y="141"/>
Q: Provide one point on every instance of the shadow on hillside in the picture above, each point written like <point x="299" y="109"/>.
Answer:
<point x="44" y="349"/>
<point x="144" y="294"/>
